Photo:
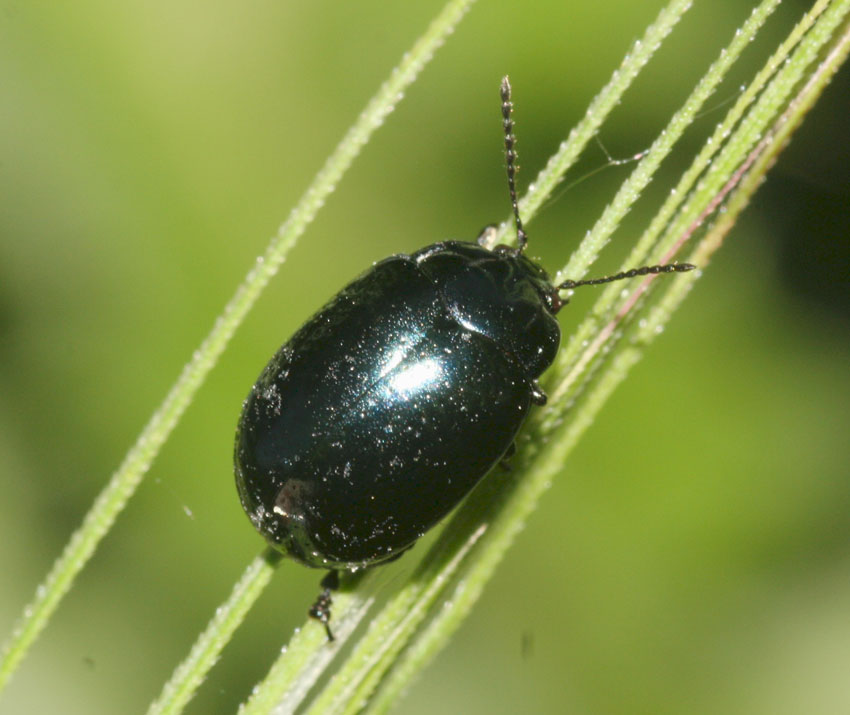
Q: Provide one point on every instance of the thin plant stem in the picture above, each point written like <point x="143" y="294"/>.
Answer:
<point x="192" y="671"/>
<point x="483" y="504"/>
<point x="643" y="249"/>
<point x="537" y="194"/>
<point x="550" y="458"/>
<point x="600" y="107"/>
<point x="309" y="653"/>
<point x="439" y="629"/>
<point x="111" y="501"/>
<point x="630" y="191"/>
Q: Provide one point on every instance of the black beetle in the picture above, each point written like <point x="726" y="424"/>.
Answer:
<point x="391" y="403"/>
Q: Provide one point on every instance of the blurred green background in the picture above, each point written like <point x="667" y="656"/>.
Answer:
<point x="693" y="557"/>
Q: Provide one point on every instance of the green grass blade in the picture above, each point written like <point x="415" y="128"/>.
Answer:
<point x="400" y="608"/>
<point x="549" y="460"/>
<point x="600" y="107"/>
<point x="123" y="483"/>
<point x="574" y="358"/>
<point x="763" y="156"/>
<point x="505" y="507"/>
<point x="192" y="671"/>
<point x="309" y="653"/>
<point x="632" y="188"/>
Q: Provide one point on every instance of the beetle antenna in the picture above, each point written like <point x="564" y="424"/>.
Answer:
<point x="645" y="270"/>
<point x="510" y="156"/>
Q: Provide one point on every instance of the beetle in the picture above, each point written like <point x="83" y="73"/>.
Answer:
<point x="390" y="404"/>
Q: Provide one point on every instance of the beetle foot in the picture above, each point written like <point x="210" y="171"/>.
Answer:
<point x="321" y="608"/>
<point x="504" y="462"/>
<point x="538" y="397"/>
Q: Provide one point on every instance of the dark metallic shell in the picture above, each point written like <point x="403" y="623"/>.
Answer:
<point x="388" y="406"/>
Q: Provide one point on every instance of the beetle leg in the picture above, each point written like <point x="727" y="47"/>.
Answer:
<point x="321" y="608"/>
<point x="504" y="462"/>
<point x="538" y="397"/>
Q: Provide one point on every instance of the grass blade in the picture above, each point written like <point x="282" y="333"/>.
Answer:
<point x="124" y="482"/>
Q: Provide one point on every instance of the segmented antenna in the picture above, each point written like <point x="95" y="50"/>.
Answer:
<point x="522" y="238"/>
<point x="510" y="157"/>
<point x="634" y="272"/>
